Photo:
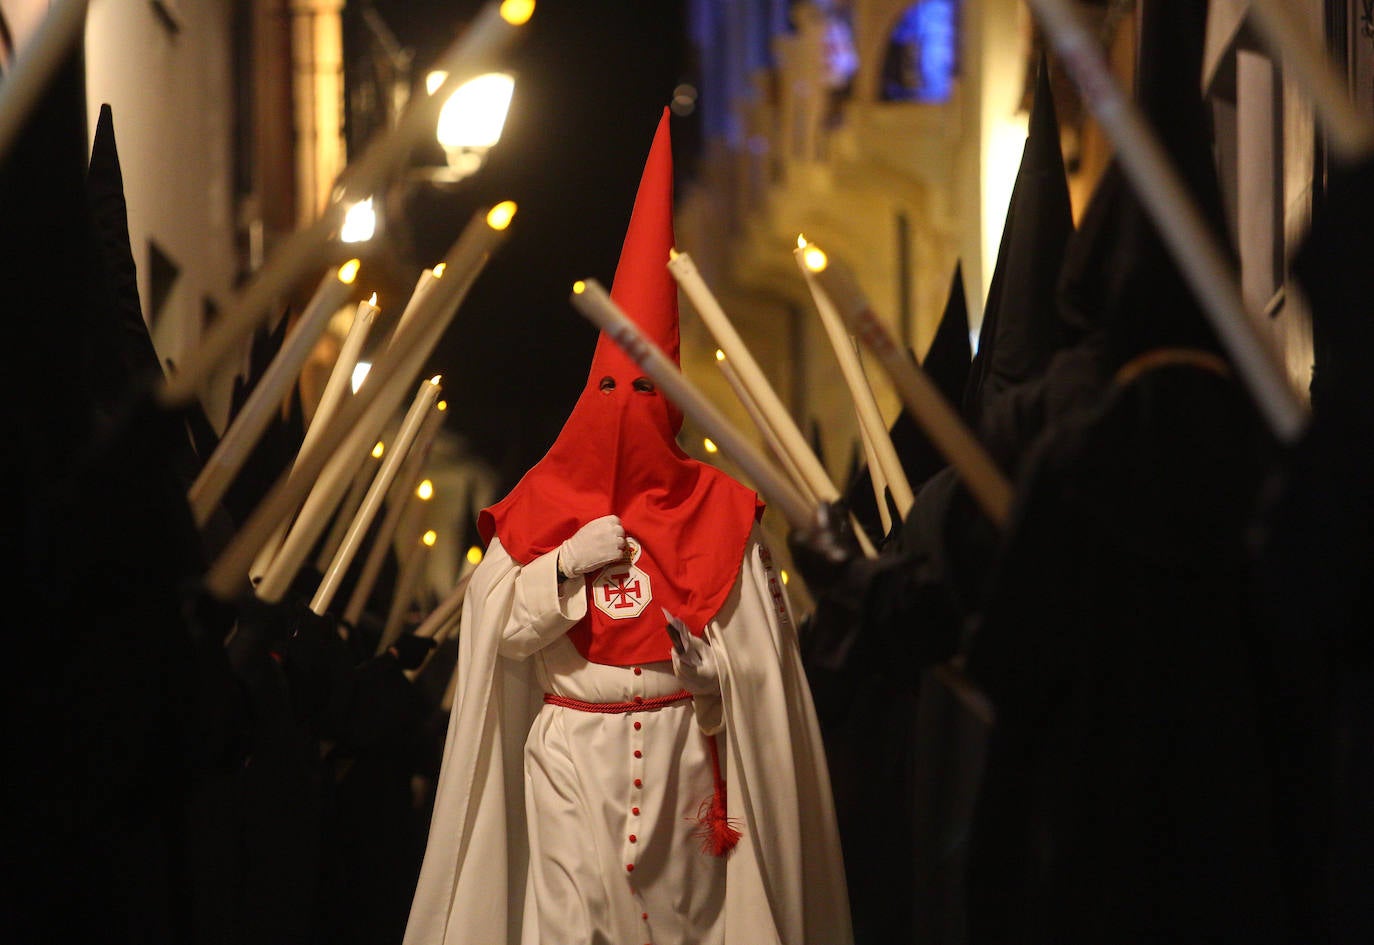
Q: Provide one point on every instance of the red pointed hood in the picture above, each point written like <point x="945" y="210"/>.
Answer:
<point x="618" y="454"/>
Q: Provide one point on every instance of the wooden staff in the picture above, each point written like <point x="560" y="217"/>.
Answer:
<point x="340" y="376"/>
<point x="1176" y="218"/>
<point x="36" y="63"/>
<point x="420" y="407"/>
<point x="879" y="442"/>
<point x="1289" y="41"/>
<point x="402" y="497"/>
<point x="489" y="34"/>
<point x="365" y="413"/>
<point x="817" y="480"/>
<point x="941" y="423"/>
<point x="248" y="425"/>
<point x="589" y="298"/>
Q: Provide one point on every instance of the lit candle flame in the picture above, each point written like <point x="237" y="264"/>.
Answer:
<point x="673" y="253"/>
<point x="439" y="270"/>
<point x="517" y="12"/>
<point x="801" y="241"/>
<point x="378" y="450"/>
<point x="500" y="215"/>
<point x="710" y="445"/>
<point x="815" y="259"/>
<point x="720" y="355"/>
<point x="425" y="490"/>
<point x="349" y="271"/>
<point x="436" y="379"/>
<point x="429" y="538"/>
<point x="784" y="576"/>
<point x="441" y="405"/>
<point x="579" y="287"/>
<point x="474" y="555"/>
<point x="435" y="79"/>
<point x="373" y="301"/>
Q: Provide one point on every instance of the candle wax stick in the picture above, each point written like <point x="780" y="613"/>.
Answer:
<point x="770" y="436"/>
<point x="596" y="305"/>
<point x="391" y="464"/>
<point x="248" y="425"/>
<point x="888" y="468"/>
<point x="485" y="37"/>
<point x="399" y="499"/>
<point x="989" y="488"/>
<point x="335" y="389"/>
<point x="1177" y="220"/>
<point x="367" y="411"/>
<point x="36" y="63"/>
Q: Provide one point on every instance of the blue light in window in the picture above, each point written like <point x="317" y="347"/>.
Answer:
<point x="923" y="53"/>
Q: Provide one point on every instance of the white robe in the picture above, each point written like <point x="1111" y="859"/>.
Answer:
<point x="783" y="883"/>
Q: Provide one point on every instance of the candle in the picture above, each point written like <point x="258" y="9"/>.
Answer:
<point x="247" y="427"/>
<point x="888" y="467"/>
<point x="407" y="581"/>
<point x="761" y="422"/>
<point x="401" y="498"/>
<point x="595" y="304"/>
<point x="946" y="430"/>
<point x="1176" y="218"/>
<point x="817" y="480"/>
<point x="493" y="30"/>
<point x="362" y="418"/>
<point x="1350" y="131"/>
<point x="38" y="60"/>
<point x="410" y="428"/>
<point x="343" y="516"/>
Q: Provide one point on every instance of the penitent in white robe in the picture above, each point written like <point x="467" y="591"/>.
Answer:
<point x="492" y="875"/>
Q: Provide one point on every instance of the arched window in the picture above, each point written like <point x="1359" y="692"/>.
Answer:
<point x="922" y="57"/>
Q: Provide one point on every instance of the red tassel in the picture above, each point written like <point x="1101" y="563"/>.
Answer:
<point x="717" y="832"/>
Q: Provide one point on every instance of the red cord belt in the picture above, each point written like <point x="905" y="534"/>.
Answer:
<point x="637" y="704"/>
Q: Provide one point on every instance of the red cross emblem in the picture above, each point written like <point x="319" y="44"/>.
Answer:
<point x="620" y="592"/>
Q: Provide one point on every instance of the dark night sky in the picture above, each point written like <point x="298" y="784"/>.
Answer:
<point x="591" y="81"/>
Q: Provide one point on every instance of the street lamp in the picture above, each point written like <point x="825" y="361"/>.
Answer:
<point x="471" y="121"/>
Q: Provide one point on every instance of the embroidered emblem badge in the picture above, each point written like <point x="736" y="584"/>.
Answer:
<point x="621" y="590"/>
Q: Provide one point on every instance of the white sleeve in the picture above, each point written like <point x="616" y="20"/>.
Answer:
<point x="540" y="608"/>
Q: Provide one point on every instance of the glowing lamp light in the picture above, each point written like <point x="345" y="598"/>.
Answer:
<point x="378" y="450"/>
<point x="349" y="271"/>
<point x="425" y="490"/>
<point x="360" y="223"/>
<point x="475" y="114"/>
<point x="429" y="538"/>
<point x="710" y="445"/>
<point x="474" y="555"/>
<point x="360" y="374"/>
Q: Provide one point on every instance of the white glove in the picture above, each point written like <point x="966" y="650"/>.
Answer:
<point x="595" y="544"/>
<point x="696" y="667"/>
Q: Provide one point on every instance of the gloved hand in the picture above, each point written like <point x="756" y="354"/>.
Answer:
<point x="595" y="544"/>
<point x="696" y="667"/>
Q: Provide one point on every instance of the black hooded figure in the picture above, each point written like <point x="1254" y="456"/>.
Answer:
<point x="1314" y="586"/>
<point x="1127" y="794"/>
